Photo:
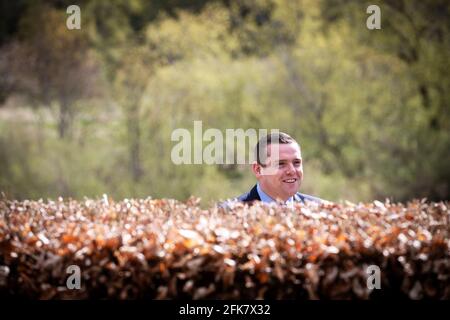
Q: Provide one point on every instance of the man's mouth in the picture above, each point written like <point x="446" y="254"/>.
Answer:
<point x="290" y="180"/>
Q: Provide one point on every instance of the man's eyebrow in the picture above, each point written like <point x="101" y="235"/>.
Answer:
<point x="287" y="160"/>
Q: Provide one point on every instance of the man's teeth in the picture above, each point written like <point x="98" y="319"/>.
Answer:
<point x="290" y="180"/>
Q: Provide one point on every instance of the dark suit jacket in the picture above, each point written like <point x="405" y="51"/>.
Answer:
<point x="253" y="195"/>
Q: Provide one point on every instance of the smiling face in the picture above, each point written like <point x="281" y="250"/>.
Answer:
<point x="281" y="177"/>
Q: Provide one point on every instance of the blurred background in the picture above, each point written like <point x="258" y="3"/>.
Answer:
<point x="91" y="111"/>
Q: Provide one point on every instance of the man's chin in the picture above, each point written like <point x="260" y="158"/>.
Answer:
<point x="291" y="191"/>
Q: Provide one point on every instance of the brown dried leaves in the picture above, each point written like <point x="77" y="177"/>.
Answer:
<point x="167" y="249"/>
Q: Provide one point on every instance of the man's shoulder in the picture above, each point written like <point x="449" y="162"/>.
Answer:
<point x="243" y="197"/>
<point x="250" y="196"/>
<point x="301" y="197"/>
<point x="247" y="197"/>
<point x="253" y="195"/>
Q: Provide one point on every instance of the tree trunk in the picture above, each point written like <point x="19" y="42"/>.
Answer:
<point x="64" y="119"/>
<point x="134" y="138"/>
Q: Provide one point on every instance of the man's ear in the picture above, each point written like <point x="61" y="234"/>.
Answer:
<point x="256" y="168"/>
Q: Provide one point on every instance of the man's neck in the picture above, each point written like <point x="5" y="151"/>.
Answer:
<point x="266" y="196"/>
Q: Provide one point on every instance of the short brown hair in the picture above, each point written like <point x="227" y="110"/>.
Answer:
<point x="279" y="137"/>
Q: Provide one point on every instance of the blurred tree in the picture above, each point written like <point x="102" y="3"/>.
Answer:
<point x="130" y="81"/>
<point x="117" y="39"/>
<point x="263" y="25"/>
<point x="417" y="33"/>
<point x="365" y="105"/>
<point x="10" y="12"/>
<point x="49" y="64"/>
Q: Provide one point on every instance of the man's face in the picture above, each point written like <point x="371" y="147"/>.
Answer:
<point x="282" y="176"/>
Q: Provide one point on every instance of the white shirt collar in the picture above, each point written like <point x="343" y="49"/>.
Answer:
<point x="267" y="199"/>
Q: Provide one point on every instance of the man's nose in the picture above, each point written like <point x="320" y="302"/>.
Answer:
<point x="290" y="169"/>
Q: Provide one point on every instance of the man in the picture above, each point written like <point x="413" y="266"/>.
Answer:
<point x="278" y="170"/>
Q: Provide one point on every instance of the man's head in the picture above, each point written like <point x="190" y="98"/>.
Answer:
<point x="278" y="167"/>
